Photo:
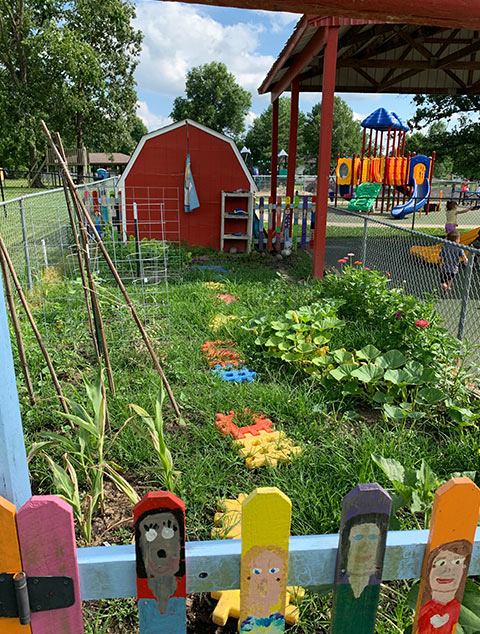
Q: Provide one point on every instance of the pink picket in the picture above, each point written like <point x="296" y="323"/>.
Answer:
<point x="47" y="545"/>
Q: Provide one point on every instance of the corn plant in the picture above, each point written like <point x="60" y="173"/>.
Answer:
<point x="154" y="431"/>
<point x="85" y="449"/>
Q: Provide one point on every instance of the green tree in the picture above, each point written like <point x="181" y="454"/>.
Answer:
<point x="259" y="137"/>
<point x="346" y="132"/>
<point x="70" y="62"/>
<point x="461" y="142"/>
<point x="213" y="98"/>
<point x="434" y="141"/>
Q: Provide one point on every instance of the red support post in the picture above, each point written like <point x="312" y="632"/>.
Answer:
<point x="274" y="163"/>
<point x="325" y="148"/>
<point x="385" y="170"/>
<point x="292" y="138"/>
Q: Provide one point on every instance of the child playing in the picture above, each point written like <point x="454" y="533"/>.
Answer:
<point x="452" y="212"/>
<point x="450" y="259"/>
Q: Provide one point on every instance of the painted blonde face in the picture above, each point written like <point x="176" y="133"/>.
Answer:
<point x="265" y="572"/>
<point x="363" y="547"/>
<point x="446" y="575"/>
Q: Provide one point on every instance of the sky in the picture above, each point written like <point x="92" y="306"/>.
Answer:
<point x="178" y="37"/>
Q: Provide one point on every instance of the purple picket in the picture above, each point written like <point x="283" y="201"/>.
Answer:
<point x="303" y="243"/>
<point x="47" y="545"/>
<point x="361" y="550"/>
<point x="261" y="221"/>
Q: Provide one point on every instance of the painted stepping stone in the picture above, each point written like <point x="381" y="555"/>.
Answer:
<point x="268" y="448"/>
<point x="214" y="286"/>
<point x="229" y="375"/>
<point x="228" y="428"/>
<point x="221" y="353"/>
<point x="210" y="267"/>
<point x="226" y="298"/>
<point x="220" y="320"/>
<point x="228" y="518"/>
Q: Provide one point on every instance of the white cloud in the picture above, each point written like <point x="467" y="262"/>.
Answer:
<point x="358" y="117"/>
<point x="250" y="118"/>
<point x="178" y="37"/>
<point x="279" y="20"/>
<point x="151" y="120"/>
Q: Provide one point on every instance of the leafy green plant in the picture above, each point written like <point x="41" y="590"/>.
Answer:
<point x="85" y="450"/>
<point x="414" y="488"/>
<point x="301" y="337"/>
<point x="154" y="428"/>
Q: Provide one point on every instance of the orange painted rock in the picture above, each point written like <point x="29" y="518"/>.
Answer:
<point x="228" y="428"/>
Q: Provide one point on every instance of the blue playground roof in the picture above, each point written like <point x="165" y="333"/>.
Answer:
<point x="382" y="119"/>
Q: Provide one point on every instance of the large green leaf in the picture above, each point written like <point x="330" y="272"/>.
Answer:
<point x="397" y="377"/>
<point x="393" y="469"/>
<point x="391" y="359"/>
<point x="343" y="371"/>
<point x="368" y="373"/>
<point x="394" y="412"/>
<point x="430" y="395"/>
<point x="368" y="353"/>
<point x="343" y="356"/>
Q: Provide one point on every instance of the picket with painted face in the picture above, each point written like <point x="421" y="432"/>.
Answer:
<point x="160" y="552"/>
<point x="447" y="570"/>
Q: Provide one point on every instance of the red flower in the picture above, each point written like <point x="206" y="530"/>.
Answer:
<point x="398" y="314"/>
<point x="357" y="262"/>
<point x="421" y="323"/>
<point x="342" y="261"/>
<point x="387" y="273"/>
<point x="367" y="269"/>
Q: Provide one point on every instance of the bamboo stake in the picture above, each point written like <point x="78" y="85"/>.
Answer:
<point x="28" y="312"/>
<point x="16" y="328"/>
<point x="79" y="257"/>
<point x="114" y="271"/>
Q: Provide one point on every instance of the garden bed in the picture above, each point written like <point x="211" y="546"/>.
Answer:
<point x="347" y="368"/>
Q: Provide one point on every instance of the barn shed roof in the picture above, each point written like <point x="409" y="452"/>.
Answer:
<point x="179" y="124"/>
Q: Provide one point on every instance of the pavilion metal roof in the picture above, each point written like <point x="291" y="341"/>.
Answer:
<point x="376" y="57"/>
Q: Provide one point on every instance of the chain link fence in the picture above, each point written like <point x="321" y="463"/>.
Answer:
<point x="412" y="260"/>
<point x="38" y="235"/>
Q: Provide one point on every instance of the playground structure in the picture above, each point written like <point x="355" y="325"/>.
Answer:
<point x="405" y="181"/>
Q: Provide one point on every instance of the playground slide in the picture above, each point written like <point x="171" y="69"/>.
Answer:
<point x="431" y="254"/>
<point x="417" y="201"/>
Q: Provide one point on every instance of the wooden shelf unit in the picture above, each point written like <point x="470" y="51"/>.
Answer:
<point x="230" y="202"/>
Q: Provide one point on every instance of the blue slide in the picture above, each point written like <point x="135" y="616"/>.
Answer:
<point x="419" y="178"/>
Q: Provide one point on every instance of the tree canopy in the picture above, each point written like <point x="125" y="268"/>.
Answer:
<point x="213" y="98"/>
<point x="346" y="132"/>
<point x="346" y="137"/>
<point x="458" y="145"/>
<point x="259" y="137"/>
<point x="70" y="62"/>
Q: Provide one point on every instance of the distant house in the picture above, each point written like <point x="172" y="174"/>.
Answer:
<point x="115" y="162"/>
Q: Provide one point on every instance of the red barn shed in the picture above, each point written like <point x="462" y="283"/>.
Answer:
<point x="153" y="183"/>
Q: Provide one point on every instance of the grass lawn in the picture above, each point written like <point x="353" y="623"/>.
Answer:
<point x="338" y="434"/>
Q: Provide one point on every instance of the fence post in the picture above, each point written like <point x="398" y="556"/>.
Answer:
<point x="14" y="480"/>
<point x="465" y="296"/>
<point x="364" y="241"/>
<point x="25" y="246"/>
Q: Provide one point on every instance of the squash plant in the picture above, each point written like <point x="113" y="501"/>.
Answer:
<point x="301" y="336"/>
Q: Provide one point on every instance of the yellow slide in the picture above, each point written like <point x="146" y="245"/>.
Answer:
<point x="431" y="254"/>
